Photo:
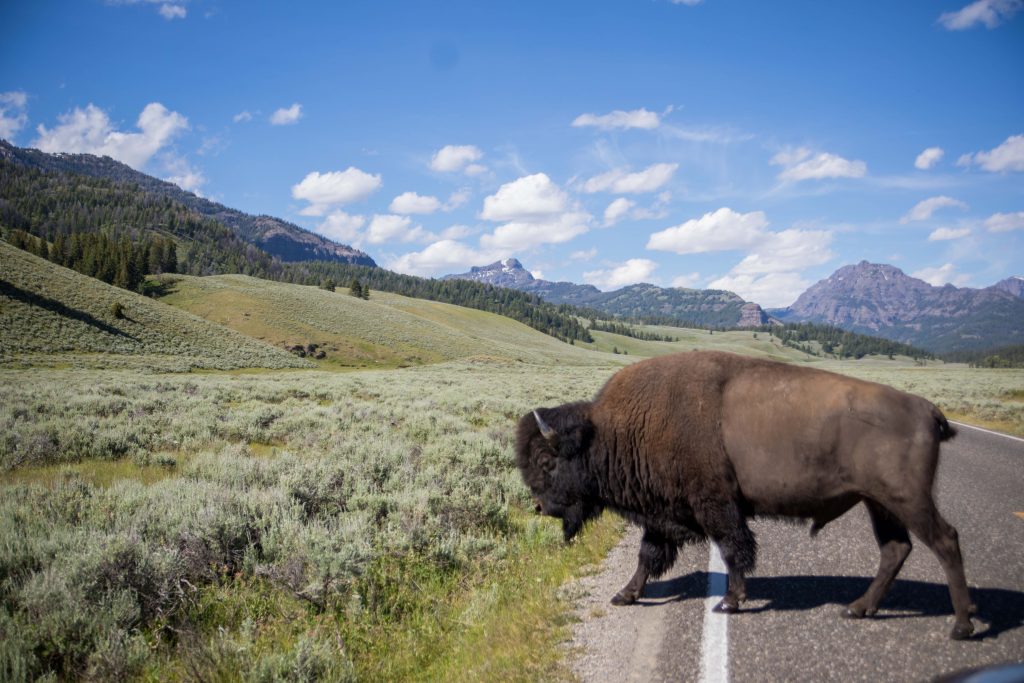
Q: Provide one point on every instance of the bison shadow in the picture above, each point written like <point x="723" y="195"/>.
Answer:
<point x="999" y="610"/>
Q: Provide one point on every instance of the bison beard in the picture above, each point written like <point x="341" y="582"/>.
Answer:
<point x="691" y="446"/>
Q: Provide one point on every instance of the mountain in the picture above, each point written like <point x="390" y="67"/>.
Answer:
<point x="708" y="307"/>
<point x="882" y="300"/>
<point x="1014" y="285"/>
<point x="279" y="238"/>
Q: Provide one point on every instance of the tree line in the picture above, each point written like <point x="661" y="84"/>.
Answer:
<point x="628" y="330"/>
<point x="38" y="209"/>
<point x="839" y="342"/>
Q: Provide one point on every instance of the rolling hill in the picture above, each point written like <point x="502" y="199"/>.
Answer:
<point x="52" y="315"/>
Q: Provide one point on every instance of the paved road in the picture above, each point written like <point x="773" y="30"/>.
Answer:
<point x="791" y="630"/>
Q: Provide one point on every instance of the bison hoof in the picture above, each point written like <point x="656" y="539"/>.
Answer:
<point x="726" y="607"/>
<point x="962" y="631"/>
<point x="852" y="612"/>
<point x="621" y="599"/>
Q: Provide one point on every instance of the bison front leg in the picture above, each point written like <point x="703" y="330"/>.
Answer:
<point x="657" y="555"/>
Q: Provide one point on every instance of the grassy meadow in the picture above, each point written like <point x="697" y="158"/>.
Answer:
<point x="255" y="521"/>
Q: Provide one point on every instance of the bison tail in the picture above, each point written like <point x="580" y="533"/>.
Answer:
<point x="946" y="430"/>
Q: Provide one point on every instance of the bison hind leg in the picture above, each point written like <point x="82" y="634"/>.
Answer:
<point x="727" y="527"/>
<point x="894" y="545"/>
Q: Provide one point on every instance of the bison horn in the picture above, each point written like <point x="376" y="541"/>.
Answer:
<point x="545" y="431"/>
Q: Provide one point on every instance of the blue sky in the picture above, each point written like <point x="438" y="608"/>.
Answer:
<point x="750" y="146"/>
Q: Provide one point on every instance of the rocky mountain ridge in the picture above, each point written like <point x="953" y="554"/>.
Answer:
<point x="706" y="307"/>
<point x="282" y="239"/>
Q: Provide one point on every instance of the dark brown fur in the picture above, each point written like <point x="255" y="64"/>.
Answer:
<point x="690" y="446"/>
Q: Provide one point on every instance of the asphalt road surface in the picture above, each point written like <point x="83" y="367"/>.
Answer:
<point x="790" y="628"/>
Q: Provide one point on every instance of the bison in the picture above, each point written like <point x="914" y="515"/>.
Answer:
<point x="691" y="446"/>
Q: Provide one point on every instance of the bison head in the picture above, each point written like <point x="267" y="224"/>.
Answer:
<point x="551" y="452"/>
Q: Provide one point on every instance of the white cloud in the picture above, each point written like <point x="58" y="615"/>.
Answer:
<point x="532" y="197"/>
<point x="89" y="131"/>
<point x="457" y="199"/>
<point x="388" y="227"/>
<point x="617" y="210"/>
<point x="287" y="116"/>
<point x="444" y="256"/>
<point x="632" y="271"/>
<point x="537" y="212"/>
<point x="169" y="12"/>
<point x="687" y="280"/>
<point x="584" y="255"/>
<point x="928" y="158"/>
<point x="324" y="190"/>
<point x="924" y="209"/>
<point x="802" y="164"/>
<point x="944" y="274"/>
<point x="620" y="182"/>
<point x="183" y="174"/>
<point x="942" y="234"/>
<point x="453" y="158"/>
<point x="455" y="232"/>
<point x="517" y="236"/>
<point x="1005" y="222"/>
<point x="242" y="117"/>
<point x="688" y="3"/>
<point x="13" y="113"/>
<point x="773" y="290"/>
<point x="341" y="227"/>
<point x="1008" y="156"/>
<point x="787" y="251"/>
<point x="720" y="230"/>
<point x="636" y="118"/>
<point x="991" y="13"/>
<point x="410" y="202"/>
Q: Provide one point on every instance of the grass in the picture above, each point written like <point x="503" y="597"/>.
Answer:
<point x="50" y="315"/>
<point x="387" y="331"/>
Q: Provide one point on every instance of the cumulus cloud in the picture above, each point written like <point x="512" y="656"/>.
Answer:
<point x="773" y="290"/>
<point x="942" y="275"/>
<point x="620" y="182"/>
<point x="169" y="12"/>
<point x="90" y="131"/>
<point x="410" y="202"/>
<point x="617" y="210"/>
<point x="286" y="116"/>
<point x="991" y="13"/>
<point x="631" y="272"/>
<point x="942" y="234"/>
<point x="390" y="228"/>
<point x="457" y="199"/>
<point x="787" y="251"/>
<point x="1008" y="156"/>
<point x="183" y="174"/>
<point x="719" y="230"/>
<point x="583" y="255"/>
<point x="802" y="164"/>
<point x="924" y="209"/>
<point x="532" y="197"/>
<point x="335" y="188"/>
<point x="1005" y="222"/>
<point x="686" y="281"/>
<point x="517" y="236"/>
<point x="454" y="158"/>
<point x="928" y="158"/>
<point x="535" y="211"/>
<point x="13" y="113"/>
<point x="636" y="118"/>
<point x="443" y="256"/>
<point x="341" y="227"/>
<point x="242" y="117"/>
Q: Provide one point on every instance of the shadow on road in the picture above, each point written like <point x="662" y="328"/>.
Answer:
<point x="999" y="610"/>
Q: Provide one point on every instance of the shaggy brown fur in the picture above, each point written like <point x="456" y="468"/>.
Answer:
<point x="690" y="446"/>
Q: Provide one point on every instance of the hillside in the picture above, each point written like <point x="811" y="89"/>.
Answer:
<point x="701" y="307"/>
<point x="52" y="315"/>
<point x="882" y="300"/>
<point x="388" y="330"/>
<point x="277" y="237"/>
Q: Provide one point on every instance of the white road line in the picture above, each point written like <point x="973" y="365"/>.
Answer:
<point x="987" y="431"/>
<point x="714" y="655"/>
